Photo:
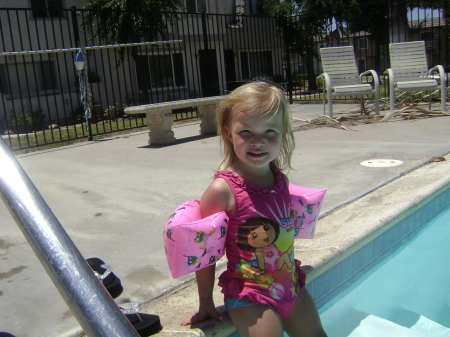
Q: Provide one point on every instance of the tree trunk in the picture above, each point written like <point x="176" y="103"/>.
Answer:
<point x="398" y="20"/>
<point x="377" y="65"/>
<point x="312" y="85"/>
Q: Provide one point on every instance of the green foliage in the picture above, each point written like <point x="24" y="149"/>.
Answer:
<point x="93" y="77"/>
<point x="112" y="112"/>
<point x="77" y="114"/>
<point x="303" y="20"/>
<point x="2" y="123"/>
<point x="128" y="21"/>
<point x="300" y="22"/>
<point x="299" y="79"/>
<point x="27" y="121"/>
<point x="136" y="99"/>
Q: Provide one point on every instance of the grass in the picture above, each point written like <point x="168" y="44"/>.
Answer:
<point x="66" y="135"/>
<point x="72" y="134"/>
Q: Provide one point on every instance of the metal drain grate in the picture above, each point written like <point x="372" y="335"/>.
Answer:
<point x="381" y="163"/>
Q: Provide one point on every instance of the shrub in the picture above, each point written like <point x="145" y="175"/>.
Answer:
<point x="77" y="114"/>
<point x="28" y="121"/>
<point x="112" y="112"/>
<point x="2" y="124"/>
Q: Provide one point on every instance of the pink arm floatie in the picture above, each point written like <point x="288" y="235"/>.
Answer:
<point x="193" y="243"/>
<point x="305" y="208"/>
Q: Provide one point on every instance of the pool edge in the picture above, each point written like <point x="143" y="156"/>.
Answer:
<point x="345" y="236"/>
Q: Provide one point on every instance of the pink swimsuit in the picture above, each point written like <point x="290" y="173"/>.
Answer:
<point x="261" y="266"/>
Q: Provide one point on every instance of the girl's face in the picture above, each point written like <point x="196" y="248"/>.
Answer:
<point x="262" y="236"/>
<point x="256" y="138"/>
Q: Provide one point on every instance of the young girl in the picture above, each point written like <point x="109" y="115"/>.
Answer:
<point x="264" y="294"/>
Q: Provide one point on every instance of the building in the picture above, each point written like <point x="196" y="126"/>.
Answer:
<point x="204" y="54"/>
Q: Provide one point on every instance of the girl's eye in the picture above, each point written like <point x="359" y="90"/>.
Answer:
<point x="271" y="132"/>
<point x="245" y="133"/>
<point x="267" y="227"/>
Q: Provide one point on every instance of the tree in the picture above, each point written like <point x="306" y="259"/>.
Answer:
<point x="302" y="21"/>
<point x="377" y="26"/>
<point x="305" y="21"/>
<point x="398" y="14"/>
<point x="128" y="21"/>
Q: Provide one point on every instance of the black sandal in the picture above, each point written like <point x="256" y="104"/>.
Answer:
<point x="144" y="324"/>
<point x="106" y="276"/>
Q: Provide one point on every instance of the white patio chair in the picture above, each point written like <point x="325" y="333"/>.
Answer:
<point x="409" y="71"/>
<point x="341" y="77"/>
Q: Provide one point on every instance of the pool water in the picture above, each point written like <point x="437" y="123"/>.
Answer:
<point x="412" y="283"/>
<point x="395" y="284"/>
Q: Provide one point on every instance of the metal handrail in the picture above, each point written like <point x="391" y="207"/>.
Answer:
<point x="88" y="300"/>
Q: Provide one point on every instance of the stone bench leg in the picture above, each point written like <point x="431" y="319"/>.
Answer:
<point x="160" y="126"/>
<point x="207" y="114"/>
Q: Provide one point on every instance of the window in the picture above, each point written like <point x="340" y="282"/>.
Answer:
<point x="33" y="78"/>
<point x="196" y="6"/>
<point x="257" y="7"/>
<point x="256" y="65"/>
<point x="323" y="45"/>
<point x="159" y="71"/>
<point x="344" y="43"/>
<point x="427" y="36"/>
<point x="362" y="43"/>
<point x="46" y="8"/>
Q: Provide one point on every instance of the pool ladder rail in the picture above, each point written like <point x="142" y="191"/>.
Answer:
<point x="58" y="254"/>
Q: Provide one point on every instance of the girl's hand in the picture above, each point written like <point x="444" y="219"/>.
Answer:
<point x="206" y="309"/>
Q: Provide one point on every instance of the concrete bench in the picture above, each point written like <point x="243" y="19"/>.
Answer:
<point x="159" y="117"/>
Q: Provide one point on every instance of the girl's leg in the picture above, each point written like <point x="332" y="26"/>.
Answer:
<point x="304" y="319"/>
<point x="285" y="260"/>
<point x="256" y="321"/>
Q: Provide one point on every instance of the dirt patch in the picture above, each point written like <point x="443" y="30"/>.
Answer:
<point x="346" y="121"/>
<point x="341" y="122"/>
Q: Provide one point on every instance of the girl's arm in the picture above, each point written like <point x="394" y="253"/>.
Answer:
<point x="261" y="261"/>
<point x="217" y="198"/>
<point x="205" y="285"/>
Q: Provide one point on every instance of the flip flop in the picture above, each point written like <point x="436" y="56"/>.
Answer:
<point x="144" y="324"/>
<point x="106" y="276"/>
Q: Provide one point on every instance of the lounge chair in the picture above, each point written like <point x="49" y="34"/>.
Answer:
<point x="341" y="77"/>
<point x="409" y="71"/>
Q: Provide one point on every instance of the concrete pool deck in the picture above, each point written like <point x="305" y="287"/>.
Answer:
<point x="113" y="197"/>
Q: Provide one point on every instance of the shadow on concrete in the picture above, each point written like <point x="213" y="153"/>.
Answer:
<point x="177" y="142"/>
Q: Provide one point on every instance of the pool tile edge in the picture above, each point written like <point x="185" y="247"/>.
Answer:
<point x="348" y="233"/>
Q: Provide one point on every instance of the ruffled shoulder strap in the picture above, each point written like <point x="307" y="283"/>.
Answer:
<point x="238" y="182"/>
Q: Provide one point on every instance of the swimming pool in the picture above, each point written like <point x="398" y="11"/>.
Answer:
<point x="406" y="289"/>
<point x="392" y="280"/>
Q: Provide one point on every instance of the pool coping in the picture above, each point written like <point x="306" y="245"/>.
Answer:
<point x="393" y="202"/>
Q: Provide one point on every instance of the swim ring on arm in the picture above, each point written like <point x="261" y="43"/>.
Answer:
<point x="192" y="242"/>
<point x="305" y="208"/>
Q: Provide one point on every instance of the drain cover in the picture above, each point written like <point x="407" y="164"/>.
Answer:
<point x="381" y="163"/>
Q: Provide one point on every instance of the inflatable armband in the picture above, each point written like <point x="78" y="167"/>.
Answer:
<point x="305" y="207"/>
<point x="193" y="243"/>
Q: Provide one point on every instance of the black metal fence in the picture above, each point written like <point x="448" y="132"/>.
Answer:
<point x="200" y="55"/>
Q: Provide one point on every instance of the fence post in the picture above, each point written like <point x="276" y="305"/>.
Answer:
<point x="205" y="31"/>
<point x="76" y="33"/>
<point x="288" y="64"/>
<point x="88" y="300"/>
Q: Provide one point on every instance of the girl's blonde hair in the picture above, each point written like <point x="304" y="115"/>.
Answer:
<point x="259" y="98"/>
